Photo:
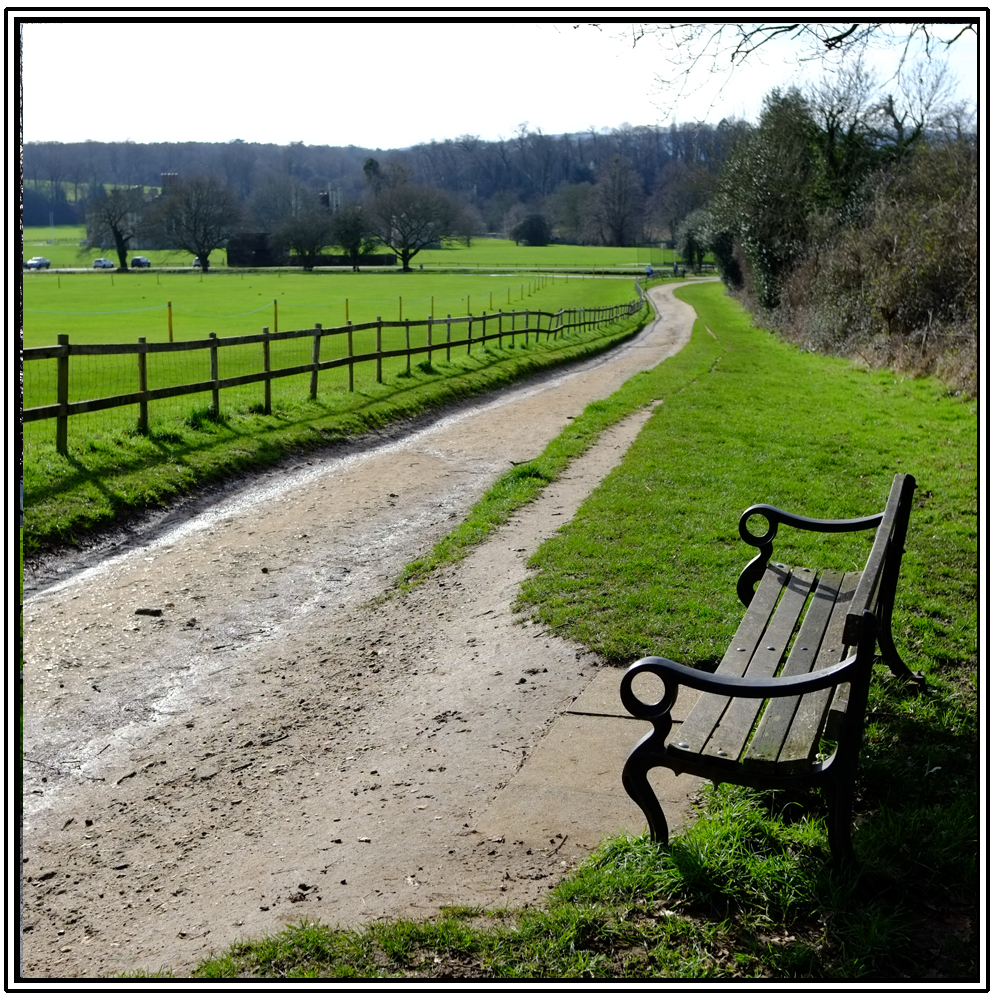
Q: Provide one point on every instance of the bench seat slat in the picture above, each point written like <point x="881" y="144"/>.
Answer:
<point x="730" y="737"/>
<point x="765" y="747"/>
<point x="701" y="721"/>
<point x="802" y="741"/>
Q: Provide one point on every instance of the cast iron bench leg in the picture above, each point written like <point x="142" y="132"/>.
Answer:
<point x="636" y="781"/>
<point x="840" y="802"/>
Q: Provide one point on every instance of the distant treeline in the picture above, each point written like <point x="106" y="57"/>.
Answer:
<point x="502" y="181"/>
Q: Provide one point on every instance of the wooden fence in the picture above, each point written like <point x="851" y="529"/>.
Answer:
<point x="471" y="329"/>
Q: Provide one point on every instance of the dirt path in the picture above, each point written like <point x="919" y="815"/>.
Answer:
<point x="269" y="745"/>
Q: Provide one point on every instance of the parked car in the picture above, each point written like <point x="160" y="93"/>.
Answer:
<point x="140" y="262"/>
<point x="196" y="262"/>
<point x="37" y="263"/>
<point x="103" y="262"/>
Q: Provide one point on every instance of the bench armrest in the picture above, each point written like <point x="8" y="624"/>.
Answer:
<point x="674" y="674"/>
<point x="754" y="570"/>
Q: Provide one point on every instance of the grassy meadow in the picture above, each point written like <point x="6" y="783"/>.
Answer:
<point x="61" y="244"/>
<point x="102" y="308"/>
<point x="107" y="307"/>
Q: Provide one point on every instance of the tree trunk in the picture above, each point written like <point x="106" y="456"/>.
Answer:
<point x="121" y="248"/>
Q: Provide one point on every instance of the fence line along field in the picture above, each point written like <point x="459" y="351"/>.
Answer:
<point x="154" y="378"/>
<point x="347" y="347"/>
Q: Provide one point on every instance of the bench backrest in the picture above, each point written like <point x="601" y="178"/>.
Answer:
<point x="877" y="588"/>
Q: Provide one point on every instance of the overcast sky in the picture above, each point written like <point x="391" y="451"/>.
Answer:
<point x="384" y="84"/>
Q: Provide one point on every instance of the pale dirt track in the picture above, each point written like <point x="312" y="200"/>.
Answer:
<point x="275" y="746"/>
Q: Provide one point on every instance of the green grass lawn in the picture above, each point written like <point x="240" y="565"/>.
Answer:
<point x="106" y="307"/>
<point x="489" y="253"/>
<point x="61" y="244"/>
<point x="649" y="565"/>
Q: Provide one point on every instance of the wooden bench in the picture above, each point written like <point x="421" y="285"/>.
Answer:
<point x="786" y="707"/>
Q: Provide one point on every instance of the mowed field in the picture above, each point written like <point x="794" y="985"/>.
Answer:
<point x="107" y="307"/>
<point x="61" y="245"/>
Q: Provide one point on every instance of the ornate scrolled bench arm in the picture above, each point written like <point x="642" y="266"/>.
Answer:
<point x="754" y="570"/>
<point x="673" y="674"/>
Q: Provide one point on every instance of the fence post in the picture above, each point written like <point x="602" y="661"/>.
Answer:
<point x="469" y="345"/>
<point x="62" y="392"/>
<point x="378" y="350"/>
<point x="447" y="339"/>
<point x="143" y="405"/>
<point x="407" y="347"/>
<point x="350" y="356"/>
<point x="267" y="369"/>
<point x="170" y="320"/>
<point x="213" y="356"/>
<point x="314" y="378"/>
<point x="430" y="323"/>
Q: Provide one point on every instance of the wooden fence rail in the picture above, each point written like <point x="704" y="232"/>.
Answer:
<point x="514" y="325"/>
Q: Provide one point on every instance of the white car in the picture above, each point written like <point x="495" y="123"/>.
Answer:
<point x="103" y="262"/>
<point x="37" y="263"/>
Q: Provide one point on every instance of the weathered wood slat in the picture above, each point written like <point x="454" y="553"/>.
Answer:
<point x="776" y="720"/>
<point x="735" y="726"/>
<point x="864" y="597"/>
<point x="704" y="717"/>
<point x="799" y="750"/>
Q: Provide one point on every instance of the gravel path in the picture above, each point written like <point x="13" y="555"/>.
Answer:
<point x="226" y="730"/>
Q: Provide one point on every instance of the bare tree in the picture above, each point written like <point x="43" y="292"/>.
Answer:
<point x="199" y="216"/>
<point x="681" y="188"/>
<point x="238" y="160"/>
<point x="354" y="230"/>
<point x="617" y="204"/>
<point x="113" y="219"/>
<point x="924" y="101"/>
<point x="306" y="233"/>
<point x="411" y="217"/>
<point x="735" y="42"/>
<point x="698" y="49"/>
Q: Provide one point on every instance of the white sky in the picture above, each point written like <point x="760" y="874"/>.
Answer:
<point x="378" y="84"/>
